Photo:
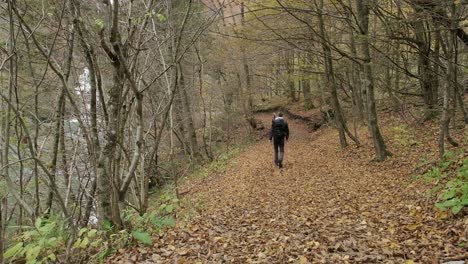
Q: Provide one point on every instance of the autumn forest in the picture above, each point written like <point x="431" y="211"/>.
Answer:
<point x="136" y="131"/>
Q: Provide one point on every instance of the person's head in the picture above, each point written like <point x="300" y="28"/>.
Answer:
<point x="280" y="114"/>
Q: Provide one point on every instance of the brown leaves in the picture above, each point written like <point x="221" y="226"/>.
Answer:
<point x="326" y="206"/>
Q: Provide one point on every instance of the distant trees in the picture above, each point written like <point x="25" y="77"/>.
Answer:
<point x="363" y="52"/>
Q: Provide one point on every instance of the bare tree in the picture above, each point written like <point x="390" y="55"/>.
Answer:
<point x="363" y="10"/>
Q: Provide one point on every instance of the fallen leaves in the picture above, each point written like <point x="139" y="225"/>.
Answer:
<point x="326" y="206"/>
<point x="303" y="260"/>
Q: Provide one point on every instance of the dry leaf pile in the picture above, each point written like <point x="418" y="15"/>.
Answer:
<point x="325" y="206"/>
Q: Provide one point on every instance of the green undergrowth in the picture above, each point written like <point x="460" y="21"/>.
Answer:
<point x="179" y="210"/>
<point x="404" y="135"/>
<point x="37" y="243"/>
<point x="218" y="165"/>
<point x="47" y="240"/>
<point x="450" y="180"/>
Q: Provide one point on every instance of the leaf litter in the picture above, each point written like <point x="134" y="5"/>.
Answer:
<point x="326" y="206"/>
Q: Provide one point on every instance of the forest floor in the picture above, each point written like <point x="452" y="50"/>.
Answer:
<point x="326" y="205"/>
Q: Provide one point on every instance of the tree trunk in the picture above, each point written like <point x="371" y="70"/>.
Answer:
<point x="7" y="117"/>
<point x="450" y="50"/>
<point x="206" y="145"/>
<point x="424" y="66"/>
<point x="306" y="85"/>
<point x="55" y="149"/>
<point x="289" y="59"/>
<point x="355" y="82"/>
<point x="191" y="134"/>
<point x="107" y="181"/>
<point x="307" y="94"/>
<point x="380" y="148"/>
<point x="3" y="223"/>
<point x="63" y="152"/>
<point x="246" y="68"/>
<point x="330" y="82"/>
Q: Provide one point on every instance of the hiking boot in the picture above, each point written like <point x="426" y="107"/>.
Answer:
<point x="280" y="164"/>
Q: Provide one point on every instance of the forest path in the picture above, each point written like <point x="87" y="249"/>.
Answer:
<point x="322" y="207"/>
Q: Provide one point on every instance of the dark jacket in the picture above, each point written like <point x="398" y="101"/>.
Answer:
<point x="279" y="129"/>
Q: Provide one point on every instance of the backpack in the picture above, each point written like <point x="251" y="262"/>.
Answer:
<point x="279" y="128"/>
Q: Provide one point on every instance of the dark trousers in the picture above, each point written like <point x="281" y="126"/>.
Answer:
<point x="278" y="144"/>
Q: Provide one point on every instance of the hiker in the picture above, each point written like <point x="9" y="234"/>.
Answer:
<point x="279" y="132"/>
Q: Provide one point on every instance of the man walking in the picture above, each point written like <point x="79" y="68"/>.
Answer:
<point x="279" y="132"/>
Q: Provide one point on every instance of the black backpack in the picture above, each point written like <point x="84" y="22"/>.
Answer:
<point x="279" y="127"/>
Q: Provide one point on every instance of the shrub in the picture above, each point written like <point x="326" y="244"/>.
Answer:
<point x="455" y="194"/>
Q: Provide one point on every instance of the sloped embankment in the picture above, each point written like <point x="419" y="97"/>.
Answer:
<point x="314" y="119"/>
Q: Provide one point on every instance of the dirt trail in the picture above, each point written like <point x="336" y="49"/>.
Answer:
<point x="323" y="207"/>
